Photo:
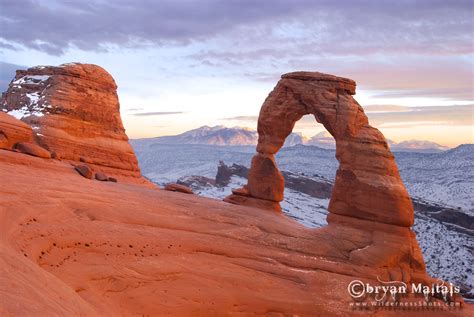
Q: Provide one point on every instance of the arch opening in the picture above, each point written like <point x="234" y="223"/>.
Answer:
<point x="308" y="172"/>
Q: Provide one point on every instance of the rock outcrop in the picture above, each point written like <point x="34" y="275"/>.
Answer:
<point x="74" y="111"/>
<point x="172" y="187"/>
<point x="368" y="202"/>
<point x="13" y="131"/>
<point x="32" y="149"/>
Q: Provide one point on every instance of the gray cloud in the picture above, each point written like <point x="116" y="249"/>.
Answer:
<point x="390" y="77"/>
<point x="156" y="113"/>
<point x="332" y="27"/>
<point x="440" y="115"/>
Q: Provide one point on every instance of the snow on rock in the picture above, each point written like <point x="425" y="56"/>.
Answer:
<point x="19" y="113"/>
<point x="27" y="96"/>
<point x="70" y="101"/>
<point x="31" y="79"/>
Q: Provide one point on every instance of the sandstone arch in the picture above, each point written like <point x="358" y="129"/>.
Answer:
<point x="367" y="184"/>
<point x="370" y="212"/>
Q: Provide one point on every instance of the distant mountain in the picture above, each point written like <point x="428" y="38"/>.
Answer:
<point x="221" y="135"/>
<point x="419" y="146"/>
<point x="294" y="139"/>
<point x="323" y="139"/>
<point x="218" y="135"/>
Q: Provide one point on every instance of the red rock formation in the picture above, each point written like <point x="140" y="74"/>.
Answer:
<point x="172" y="187"/>
<point x="368" y="185"/>
<point x="370" y="210"/>
<point x="13" y="131"/>
<point x="74" y="110"/>
<point x="32" y="149"/>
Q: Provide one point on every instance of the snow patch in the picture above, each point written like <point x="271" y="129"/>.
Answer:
<point x="19" y="113"/>
<point x="33" y="108"/>
<point x="30" y="79"/>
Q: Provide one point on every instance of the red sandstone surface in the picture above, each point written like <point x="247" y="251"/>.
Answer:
<point x="74" y="112"/>
<point x="79" y="246"/>
<point x="72" y="246"/>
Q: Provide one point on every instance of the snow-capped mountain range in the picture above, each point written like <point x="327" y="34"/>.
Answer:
<point x="440" y="184"/>
<point x="221" y="135"/>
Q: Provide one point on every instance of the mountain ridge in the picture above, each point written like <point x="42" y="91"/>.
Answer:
<point x="222" y="135"/>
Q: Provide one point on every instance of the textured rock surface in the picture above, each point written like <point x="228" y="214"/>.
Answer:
<point x="73" y="247"/>
<point x="13" y="131"/>
<point x="265" y="180"/>
<point x="74" y="110"/>
<point x="32" y="149"/>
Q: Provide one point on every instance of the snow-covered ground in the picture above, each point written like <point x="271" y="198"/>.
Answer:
<point x="440" y="179"/>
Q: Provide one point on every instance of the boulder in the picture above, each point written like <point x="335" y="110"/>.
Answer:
<point x="178" y="188"/>
<point x="101" y="177"/>
<point x="85" y="171"/>
<point x="32" y="149"/>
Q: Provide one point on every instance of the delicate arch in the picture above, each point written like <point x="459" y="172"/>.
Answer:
<point x="367" y="184"/>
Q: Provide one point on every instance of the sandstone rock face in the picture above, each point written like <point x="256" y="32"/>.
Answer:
<point x="265" y="180"/>
<point x="13" y="131"/>
<point x="75" y="247"/>
<point x="32" y="149"/>
<point x="368" y="202"/>
<point x="74" y="110"/>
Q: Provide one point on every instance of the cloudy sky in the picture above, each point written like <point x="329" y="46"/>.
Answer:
<point x="183" y="64"/>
